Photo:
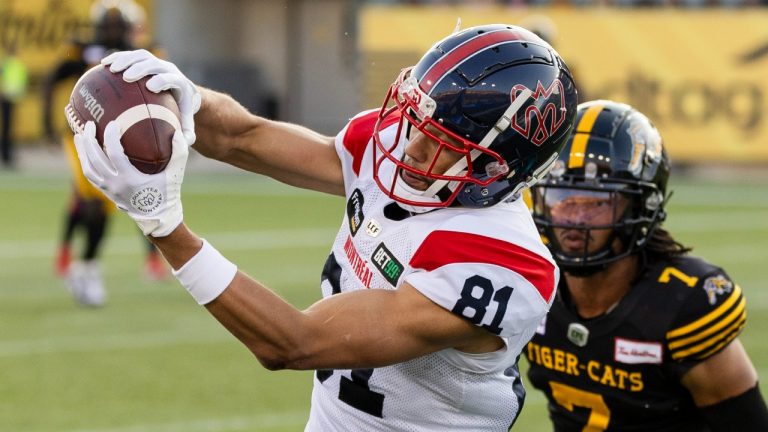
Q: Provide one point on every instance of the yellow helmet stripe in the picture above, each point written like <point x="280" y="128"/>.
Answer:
<point x="581" y="136"/>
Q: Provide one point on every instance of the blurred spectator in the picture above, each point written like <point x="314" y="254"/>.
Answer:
<point x="13" y="85"/>
<point x="542" y="26"/>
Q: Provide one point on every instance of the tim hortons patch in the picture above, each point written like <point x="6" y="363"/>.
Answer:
<point x="636" y="352"/>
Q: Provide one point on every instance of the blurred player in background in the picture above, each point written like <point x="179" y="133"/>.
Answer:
<point x="13" y="85"/>
<point x="542" y="26"/>
<point x="437" y="277"/>
<point x="545" y="28"/>
<point x="117" y="24"/>
<point x="642" y="336"/>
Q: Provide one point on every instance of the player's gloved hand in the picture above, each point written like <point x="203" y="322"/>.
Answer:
<point x="137" y="64"/>
<point x="152" y="200"/>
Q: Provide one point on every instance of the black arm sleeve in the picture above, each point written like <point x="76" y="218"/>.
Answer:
<point x="66" y="69"/>
<point x="63" y="70"/>
<point x="743" y="413"/>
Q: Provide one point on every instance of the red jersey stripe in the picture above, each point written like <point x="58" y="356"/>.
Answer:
<point x="359" y="133"/>
<point x="462" y="52"/>
<point x="449" y="247"/>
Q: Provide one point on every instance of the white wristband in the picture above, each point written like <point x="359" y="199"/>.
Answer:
<point x="207" y="274"/>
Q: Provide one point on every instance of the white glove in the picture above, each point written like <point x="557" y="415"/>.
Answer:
<point x="135" y="65"/>
<point x="152" y="200"/>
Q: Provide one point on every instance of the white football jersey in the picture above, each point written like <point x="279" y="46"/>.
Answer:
<point x="487" y="265"/>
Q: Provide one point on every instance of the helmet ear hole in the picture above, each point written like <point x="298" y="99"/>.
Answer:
<point x="654" y="201"/>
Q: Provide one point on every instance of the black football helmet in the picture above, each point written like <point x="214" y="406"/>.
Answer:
<point x="117" y="22"/>
<point x="614" y="164"/>
<point x="505" y="100"/>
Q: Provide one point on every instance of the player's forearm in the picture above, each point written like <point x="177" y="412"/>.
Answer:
<point x="219" y="124"/>
<point x="746" y="412"/>
<point x="334" y="333"/>
<point x="270" y="327"/>
<point x="290" y="153"/>
<point x="179" y="246"/>
<point x="47" y="119"/>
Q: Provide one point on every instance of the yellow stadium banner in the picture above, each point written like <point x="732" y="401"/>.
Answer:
<point x="40" y="30"/>
<point x="701" y="75"/>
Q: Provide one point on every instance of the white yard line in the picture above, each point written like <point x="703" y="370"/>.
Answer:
<point x="240" y="240"/>
<point x="206" y="183"/>
<point x="128" y="245"/>
<point x="256" y="422"/>
<point x="307" y="237"/>
<point x="717" y="222"/>
<point x="116" y="341"/>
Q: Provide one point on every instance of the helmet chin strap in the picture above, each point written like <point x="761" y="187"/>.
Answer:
<point x="537" y="175"/>
<point x="403" y="190"/>
<point x="600" y="259"/>
<point x="501" y="125"/>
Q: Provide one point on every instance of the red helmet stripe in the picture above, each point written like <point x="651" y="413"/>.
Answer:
<point x="456" y="56"/>
<point x="448" y="247"/>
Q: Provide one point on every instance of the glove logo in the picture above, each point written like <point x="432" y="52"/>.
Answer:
<point x="147" y="200"/>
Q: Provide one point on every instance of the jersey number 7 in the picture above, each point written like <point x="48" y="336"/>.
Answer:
<point x="568" y="397"/>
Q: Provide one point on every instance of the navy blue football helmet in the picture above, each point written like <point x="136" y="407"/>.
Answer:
<point x="615" y="165"/>
<point x="502" y="97"/>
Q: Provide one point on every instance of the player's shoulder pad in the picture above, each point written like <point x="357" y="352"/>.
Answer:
<point x="711" y="310"/>
<point x="443" y="247"/>
<point x="495" y="284"/>
<point x="358" y="133"/>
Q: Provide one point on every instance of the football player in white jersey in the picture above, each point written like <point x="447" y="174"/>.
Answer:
<point x="437" y="278"/>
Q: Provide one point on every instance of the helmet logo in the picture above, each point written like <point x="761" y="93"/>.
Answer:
<point x="549" y="117"/>
<point x="646" y="144"/>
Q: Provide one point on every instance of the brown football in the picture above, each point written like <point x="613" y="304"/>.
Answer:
<point x="147" y="120"/>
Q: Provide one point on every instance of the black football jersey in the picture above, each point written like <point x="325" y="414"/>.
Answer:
<point x="621" y="371"/>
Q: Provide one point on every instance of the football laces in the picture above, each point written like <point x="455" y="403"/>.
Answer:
<point x="74" y="122"/>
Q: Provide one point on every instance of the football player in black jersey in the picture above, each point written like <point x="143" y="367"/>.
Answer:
<point x="115" y="29"/>
<point x="642" y="336"/>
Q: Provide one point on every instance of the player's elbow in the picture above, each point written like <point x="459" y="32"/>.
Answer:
<point x="272" y="363"/>
<point x="205" y="144"/>
<point x="291" y="352"/>
<point x="283" y="360"/>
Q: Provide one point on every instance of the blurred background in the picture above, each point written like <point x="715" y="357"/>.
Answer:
<point x="151" y="360"/>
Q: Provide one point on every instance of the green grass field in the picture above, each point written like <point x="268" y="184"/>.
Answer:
<point x="152" y="360"/>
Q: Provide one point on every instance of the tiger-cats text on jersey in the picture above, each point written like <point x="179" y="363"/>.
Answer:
<point x="621" y="371"/>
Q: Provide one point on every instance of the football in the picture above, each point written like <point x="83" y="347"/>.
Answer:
<point x="147" y="120"/>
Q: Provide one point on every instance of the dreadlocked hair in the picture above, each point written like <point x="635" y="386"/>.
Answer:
<point x="661" y="244"/>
